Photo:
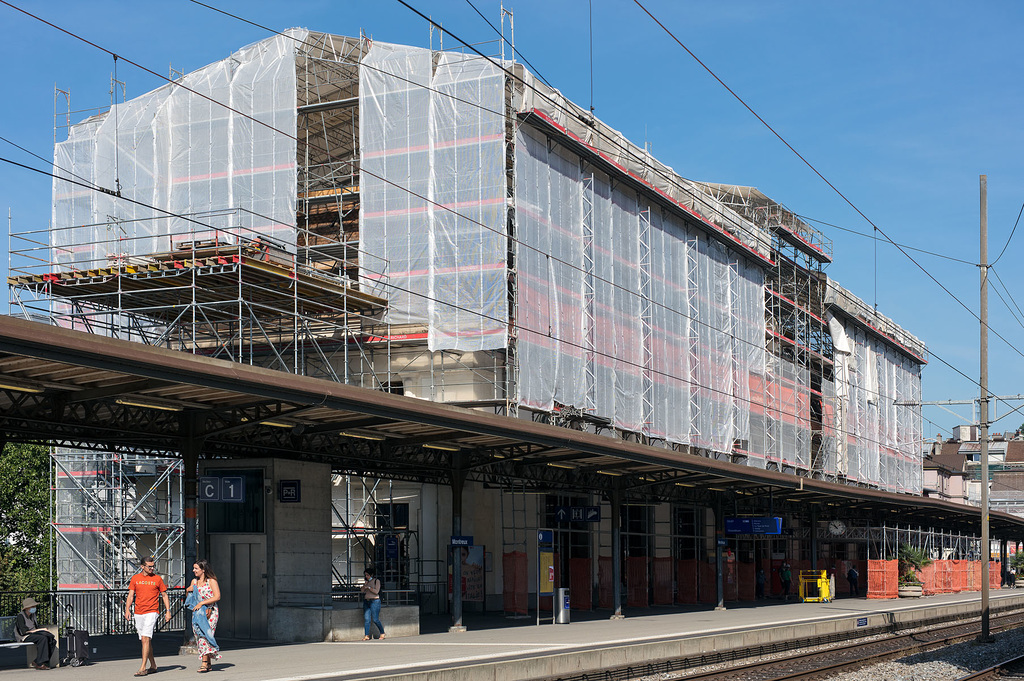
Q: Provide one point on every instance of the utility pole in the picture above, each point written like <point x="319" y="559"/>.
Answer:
<point x="983" y="413"/>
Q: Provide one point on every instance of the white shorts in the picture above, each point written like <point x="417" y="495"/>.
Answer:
<point x="145" y="624"/>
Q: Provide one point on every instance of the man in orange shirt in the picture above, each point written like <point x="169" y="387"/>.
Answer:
<point x="146" y="588"/>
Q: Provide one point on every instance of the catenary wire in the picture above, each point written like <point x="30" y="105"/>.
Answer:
<point x="869" y="236"/>
<point x="509" y="43"/>
<point x="680" y="379"/>
<point x="382" y="179"/>
<point x="425" y="199"/>
<point x="1007" y="290"/>
<point x="244" y="115"/>
<point x="1013" y="313"/>
<point x="1009" y="238"/>
<point x="813" y="169"/>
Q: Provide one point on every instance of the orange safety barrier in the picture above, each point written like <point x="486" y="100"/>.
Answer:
<point x="927" y="577"/>
<point x="959" y="575"/>
<point x="514" y="583"/>
<point x="974" y="575"/>
<point x="942" y="578"/>
<point x="581" y="595"/>
<point x="637" y="582"/>
<point x="605" y="595"/>
<point x="662" y="571"/>
<point x="686" y="581"/>
<point x="748" y="587"/>
<point x="707" y="585"/>
<point x="995" y="574"/>
<point x="883" y="578"/>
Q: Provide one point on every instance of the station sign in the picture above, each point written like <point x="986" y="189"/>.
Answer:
<point x="462" y="541"/>
<point x="227" y="489"/>
<point x="578" y="514"/>
<point x="758" y="525"/>
<point x="289" y="491"/>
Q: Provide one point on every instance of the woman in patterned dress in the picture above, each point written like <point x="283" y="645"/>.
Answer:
<point x="208" y="591"/>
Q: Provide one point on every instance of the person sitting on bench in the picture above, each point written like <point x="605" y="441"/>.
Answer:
<point x="26" y="629"/>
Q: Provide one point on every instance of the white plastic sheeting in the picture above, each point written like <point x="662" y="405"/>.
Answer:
<point x="433" y="192"/>
<point x="185" y="154"/>
<point x="878" y="413"/>
<point x="781" y="418"/>
<point x="707" y="317"/>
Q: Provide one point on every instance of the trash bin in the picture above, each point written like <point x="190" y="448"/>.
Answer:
<point x="562" y="607"/>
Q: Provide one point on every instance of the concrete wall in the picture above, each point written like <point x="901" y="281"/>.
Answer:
<point x="296" y="580"/>
<point x="398" y="620"/>
<point x="299" y="553"/>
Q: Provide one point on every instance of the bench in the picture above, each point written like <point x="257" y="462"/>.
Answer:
<point x="8" y="641"/>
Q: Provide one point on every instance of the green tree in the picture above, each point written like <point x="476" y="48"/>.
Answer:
<point x="24" y="534"/>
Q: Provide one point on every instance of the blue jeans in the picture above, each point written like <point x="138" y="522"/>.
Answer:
<point x="371" y="611"/>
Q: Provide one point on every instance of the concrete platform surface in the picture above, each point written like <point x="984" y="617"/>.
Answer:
<point x="507" y="650"/>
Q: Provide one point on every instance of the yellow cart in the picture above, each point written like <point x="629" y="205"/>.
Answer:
<point x="815" y="586"/>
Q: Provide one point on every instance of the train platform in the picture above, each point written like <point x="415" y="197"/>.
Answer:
<point x="499" y="649"/>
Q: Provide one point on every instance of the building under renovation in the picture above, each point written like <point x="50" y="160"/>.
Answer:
<point x="445" y="226"/>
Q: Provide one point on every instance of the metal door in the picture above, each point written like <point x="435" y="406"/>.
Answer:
<point x="243" y="585"/>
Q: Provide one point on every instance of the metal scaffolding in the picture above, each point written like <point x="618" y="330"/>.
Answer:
<point x="443" y="226"/>
<point x="110" y="510"/>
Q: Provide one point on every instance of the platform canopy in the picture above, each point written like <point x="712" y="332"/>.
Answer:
<point x="75" y="389"/>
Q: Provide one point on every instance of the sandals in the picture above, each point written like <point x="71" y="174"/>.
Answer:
<point x="205" y="667"/>
<point x="366" y="638"/>
<point x="144" y="672"/>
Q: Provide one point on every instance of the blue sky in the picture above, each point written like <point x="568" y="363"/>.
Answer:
<point x="900" y="105"/>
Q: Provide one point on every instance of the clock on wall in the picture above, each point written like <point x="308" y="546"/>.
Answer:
<point x="837" y="527"/>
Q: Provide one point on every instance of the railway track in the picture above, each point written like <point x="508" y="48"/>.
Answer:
<point x="1009" y="669"/>
<point x="817" y="664"/>
<point x="824" y="664"/>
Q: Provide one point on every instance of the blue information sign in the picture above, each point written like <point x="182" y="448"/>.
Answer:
<point x="753" y="525"/>
<point x="462" y="541"/>
<point x="230" y="489"/>
<point x="766" y="525"/>
<point x="545" y="536"/>
<point x="578" y="514"/>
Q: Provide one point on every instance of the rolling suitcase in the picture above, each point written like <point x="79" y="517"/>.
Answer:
<point x="76" y="642"/>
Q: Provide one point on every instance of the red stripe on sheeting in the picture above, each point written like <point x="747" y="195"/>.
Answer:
<point x="234" y="173"/>
<point x="718" y="230"/>
<point x="453" y="206"/>
<point x="72" y="585"/>
<point x="447" y="270"/>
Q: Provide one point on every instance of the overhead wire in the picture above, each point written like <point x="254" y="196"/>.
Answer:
<point x="869" y="236"/>
<point x="509" y="43"/>
<point x="107" y="191"/>
<point x="682" y="379"/>
<point x="578" y="346"/>
<point x="824" y="179"/>
<point x="1016" y="314"/>
<point x="1009" y="238"/>
<point x="226" y="106"/>
<point x="552" y="258"/>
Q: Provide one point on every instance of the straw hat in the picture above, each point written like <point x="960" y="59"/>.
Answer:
<point x="28" y="603"/>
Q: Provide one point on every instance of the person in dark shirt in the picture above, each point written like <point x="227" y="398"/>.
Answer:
<point x="26" y="629"/>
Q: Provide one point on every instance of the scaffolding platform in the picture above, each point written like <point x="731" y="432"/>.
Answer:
<point x="162" y="281"/>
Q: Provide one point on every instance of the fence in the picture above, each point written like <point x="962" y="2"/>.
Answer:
<point x="95" y="610"/>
